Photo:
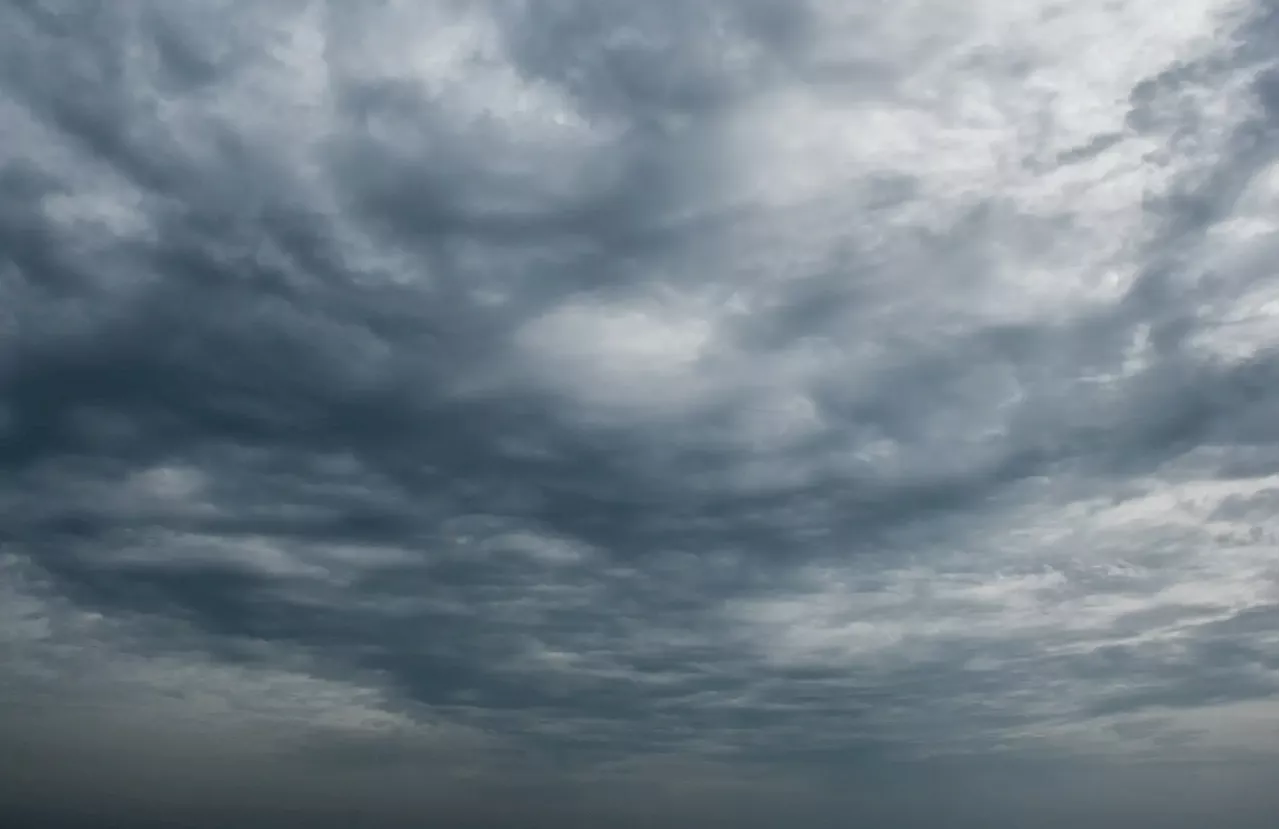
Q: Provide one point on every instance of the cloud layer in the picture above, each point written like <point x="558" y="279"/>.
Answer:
<point x="529" y="414"/>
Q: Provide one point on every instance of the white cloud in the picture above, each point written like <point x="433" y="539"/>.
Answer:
<point x="616" y="358"/>
<point x="1049" y="582"/>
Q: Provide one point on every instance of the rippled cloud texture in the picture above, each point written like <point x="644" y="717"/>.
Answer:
<point x="544" y="414"/>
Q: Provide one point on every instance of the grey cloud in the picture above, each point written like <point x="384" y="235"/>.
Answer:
<point x="660" y="413"/>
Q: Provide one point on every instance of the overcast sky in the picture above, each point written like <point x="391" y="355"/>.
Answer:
<point x="847" y="413"/>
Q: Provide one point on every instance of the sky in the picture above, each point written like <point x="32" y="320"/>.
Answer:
<point x="823" y="413"/>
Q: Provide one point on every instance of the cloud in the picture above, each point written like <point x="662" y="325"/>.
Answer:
<point x="639" y="412"/>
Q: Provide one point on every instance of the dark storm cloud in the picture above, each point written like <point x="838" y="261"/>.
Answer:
<point x="528" y="415"/>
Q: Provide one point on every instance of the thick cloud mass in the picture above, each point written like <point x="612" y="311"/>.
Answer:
<point x="638" y="414"/>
